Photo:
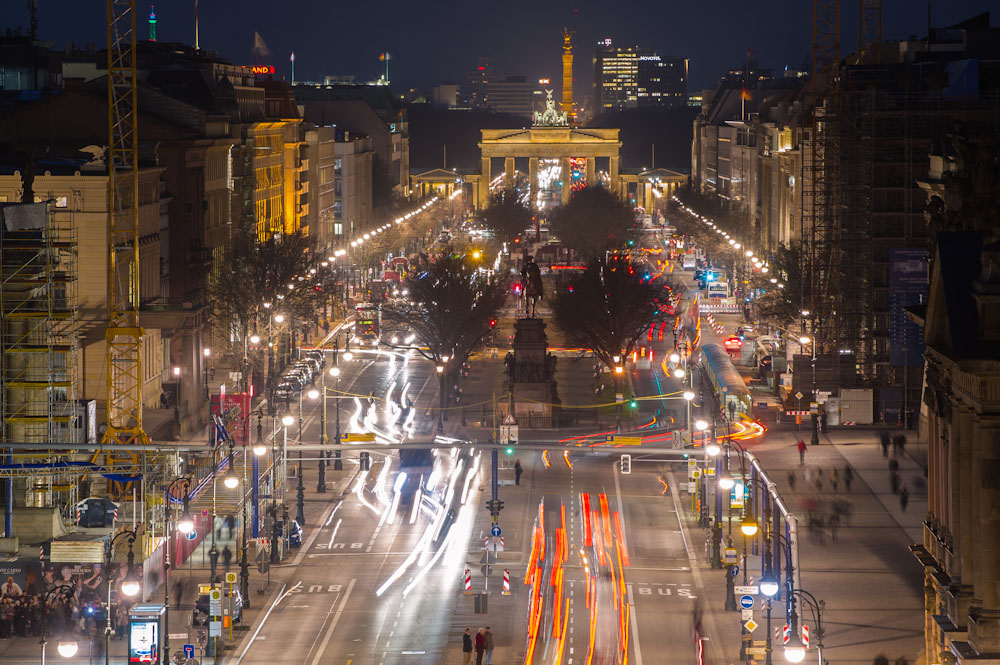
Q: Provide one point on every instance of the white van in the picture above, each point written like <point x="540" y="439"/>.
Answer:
<point x="688" y="262"/>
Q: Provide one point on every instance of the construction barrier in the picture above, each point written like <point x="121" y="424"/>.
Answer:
<point x="468" y="582"/>
<point x="506" y="582"/>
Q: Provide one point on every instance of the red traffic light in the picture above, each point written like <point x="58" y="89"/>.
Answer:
<point x="493" y="323"/>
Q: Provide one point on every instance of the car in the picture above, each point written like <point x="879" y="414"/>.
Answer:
<point x="96" y="511"/>
<point x="201" y="606"/>
<point x="294" y="534"/>
<point x="285" y="392"/>
<point x="303" y="368"/>
<point x="294" y="379"/>
<point x="315" y="354"/>
<point x="311" y="366"/>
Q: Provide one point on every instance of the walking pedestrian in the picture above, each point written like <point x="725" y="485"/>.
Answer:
<point x="902" y="444"/>
<point x="517" y="472"/>
<point x="227" y="557"/>
<point x="467" y="647"/>
<point x="834" y="480"/>
<point x="488" y="654"/>
<point x="819" y="480"/>
<point x="895" y="445"/>
<point x="904" y="498"/>
<point x="178" y="593"/>
<point x="884" y="439"/>
<point x="822" y="422"/>
<point x="895" y="481"/>
<point x="791" y="479"/>
<point x="848" y="476"/>
<point x="480" y="646"/>
<point x="231" y="525"/>
<point x="801" y="445"/>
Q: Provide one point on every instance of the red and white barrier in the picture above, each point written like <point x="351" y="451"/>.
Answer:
<point x="468" y="582"/>
<point x="506" y="582"/>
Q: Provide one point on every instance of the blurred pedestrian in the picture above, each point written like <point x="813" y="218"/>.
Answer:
<point x="791" y="479"/>
<point x="884" y="439"/>
<point x="896" y="444"/>
<point x="904" y="498"/>
<point x="819" y="480"/>
<point x="488" y="654"/>
<point x="178" y="593"/>
<point x="834" y="480"/>
<point x="902" y="443"/>
<point x="480" y="646"/>
<point x="517" y="472"/>
<point x="848" y="476"/>
<point x="801" y="445"/>
<point x="231" y="525"/>
<point x="895" y="481"/>
<point x="467" y="647"/>
<point x="227" y="557"/>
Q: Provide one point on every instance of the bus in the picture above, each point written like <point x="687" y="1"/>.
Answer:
<point x="368" y="319"/>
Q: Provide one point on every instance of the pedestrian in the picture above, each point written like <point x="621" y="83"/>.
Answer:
<point x="901" y="660"/>
<point x="904" y="498"/>
<point x="517" y="472"/>
<point x="488" y="654"/>
<point x="231" y="525"/>
<point x="791" y="479"/>
<point x="822" y="422"/>
<point x="467" y="647"/>
<point x="480" y="646"/>
<point x="819" y="480"/>
<point x="884" y="438"/>
<point x="227" y="557"/>
<point x="801" y="445"/>
<point x="902" y="443"/>
<point x="895" y="445"/>
<point x="834" y="480"/>
<point x="880" y="660"/>
<point x="178" y="593"/>
<point x="848" y="476"/>
<point x="894" y="481"/>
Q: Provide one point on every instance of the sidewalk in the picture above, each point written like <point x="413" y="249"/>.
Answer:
<point x="863" y="571"/>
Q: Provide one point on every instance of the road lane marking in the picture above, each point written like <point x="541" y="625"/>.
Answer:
<point x="633" y="619"/>
<point x="281" y="595"/>
<point x="333" y="623"/>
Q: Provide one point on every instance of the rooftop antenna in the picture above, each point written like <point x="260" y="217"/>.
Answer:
<point x="292" y="59"/>
<point x="196" y="46"/>
<point x="152" y="23"/>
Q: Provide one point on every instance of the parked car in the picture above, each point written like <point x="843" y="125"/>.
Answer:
<point x="96" y="511"/>
<point x="312" y="363"/>
<point x="294" y="534"/>
<point x="201" y="606"/>
<point x="316" y="354"/>
<point x="294" y="379"/>
<point x="285" y="392"/>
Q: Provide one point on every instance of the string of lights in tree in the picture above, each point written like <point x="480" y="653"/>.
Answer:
<point x="758" y="263"/>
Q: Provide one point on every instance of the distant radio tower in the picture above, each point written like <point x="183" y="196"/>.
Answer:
<point x="293" y="67"/>
<point x="152" y="23"/>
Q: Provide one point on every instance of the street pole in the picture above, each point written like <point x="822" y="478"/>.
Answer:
<point x="814" y="414"/>
<point x="338" y="464"/>
<point x="321" y="479"/>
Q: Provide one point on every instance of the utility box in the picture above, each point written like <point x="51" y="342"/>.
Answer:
<point x="145" y="633"/>
<point x="857" y="406"/>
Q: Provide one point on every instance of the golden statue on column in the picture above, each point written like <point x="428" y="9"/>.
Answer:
<point x="567" y="89"/>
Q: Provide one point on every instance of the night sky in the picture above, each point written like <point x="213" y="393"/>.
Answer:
<point x="433" y="42"/>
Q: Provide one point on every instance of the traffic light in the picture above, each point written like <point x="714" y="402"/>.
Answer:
<point x="493" y="323"/>
<point x="510" y="450"/>
<point x="634" y="404"/>
<point x="626" y="465"/>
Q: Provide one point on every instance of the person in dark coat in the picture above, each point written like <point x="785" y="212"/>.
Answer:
<point x="227" y="557"/>
<point x="884" y="440"/>
<point x="467" y="647"/>
<point x="517" y="472"/>
<point x="480" y="646"/>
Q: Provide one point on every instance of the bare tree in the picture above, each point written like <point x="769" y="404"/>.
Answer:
<point x="506" y="216"/>
<point x="449" y="308"/>
<point x="608" y="307"/>
<point x="594" y="221"/>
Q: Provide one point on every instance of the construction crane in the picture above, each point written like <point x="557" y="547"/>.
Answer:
<point x="124" y="334"/>
<point x="869" y="30"/>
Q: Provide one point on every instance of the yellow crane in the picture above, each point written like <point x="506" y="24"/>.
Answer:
<point x="124" y="334"/>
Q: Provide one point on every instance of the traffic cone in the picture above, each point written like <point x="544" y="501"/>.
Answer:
<point x="468" y="582"/>
<point x="506" y="582"/>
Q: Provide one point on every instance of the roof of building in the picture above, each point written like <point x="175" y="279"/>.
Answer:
<point x="957" y="265"/>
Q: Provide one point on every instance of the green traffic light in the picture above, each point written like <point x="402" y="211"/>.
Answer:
<point x="633" y="404"/>
<point x="510" y="451"/>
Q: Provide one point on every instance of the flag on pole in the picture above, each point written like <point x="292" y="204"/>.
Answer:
<point x="259" y="47"/>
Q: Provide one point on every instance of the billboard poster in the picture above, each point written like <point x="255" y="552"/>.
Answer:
<point x="907" y="287"/>
<point x="144" y="641"/>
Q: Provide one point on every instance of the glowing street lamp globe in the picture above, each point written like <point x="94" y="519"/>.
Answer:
<point x="67" y="648"/>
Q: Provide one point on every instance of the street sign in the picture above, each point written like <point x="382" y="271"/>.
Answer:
<point x="627" y="440"/>
<point x="357" y="437"/>
<point x="215" y="629"/>
<point x="192" y="534"/>
<point x="230" y="578"/>
<point x="799" y="395"/>
<point x="746" y="614"/>
<point x="710" y="471"/>
<point x="215" y="602"/>
<point x="495" y="531"/>
<point x="746" y="602"/>
<point x="734" y="571"/>
<point x="189" y="651"/>
<point x="696" y="474"/>
<point x="750" y="625"/>
<point x="730" y="555"/>
<point x="619" y="398"/>
<point x="486" y="570"/>
<point x="751" y="589"/>
<point x="204" y="588"/>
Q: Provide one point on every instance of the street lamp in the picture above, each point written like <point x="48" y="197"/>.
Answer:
<point x="795" y="650"/>
<point x="688" y="396"/>
<point x="814" y="416"/>
<point x="130" y="586"/>
<point x="66" y="647"/>
<point x="338" y="464"/>
<point x="231" y="480"/>
<point x="184" y="524"/>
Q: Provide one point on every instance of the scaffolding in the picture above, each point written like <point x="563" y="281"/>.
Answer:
<point x="38" y="338"/>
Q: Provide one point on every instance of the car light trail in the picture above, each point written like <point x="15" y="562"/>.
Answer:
<point x="333" y="535"/>
<point x="566" y="458"/>
<point x="545" y="458"/>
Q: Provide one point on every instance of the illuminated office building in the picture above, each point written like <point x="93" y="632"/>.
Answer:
<point x="637" y="78"/>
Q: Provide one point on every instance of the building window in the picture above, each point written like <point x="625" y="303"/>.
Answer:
<point x="338" y="229"/>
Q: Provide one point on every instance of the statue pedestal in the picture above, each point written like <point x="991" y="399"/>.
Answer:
<point x="531" y="376"/>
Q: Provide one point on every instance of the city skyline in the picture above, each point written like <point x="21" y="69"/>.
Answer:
<point x="523" y="41"/>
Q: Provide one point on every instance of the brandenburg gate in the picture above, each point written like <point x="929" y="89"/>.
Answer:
<point x="570" y="157"/>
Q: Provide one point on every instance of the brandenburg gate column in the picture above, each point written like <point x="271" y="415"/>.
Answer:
<point x="508" y="167"/>
<point x="484" y="183"/>
<point x="591" y="170"/>
<point x="613" y="173"/>
<point x="565" y="176"/>
<point x="533" y="177"/>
